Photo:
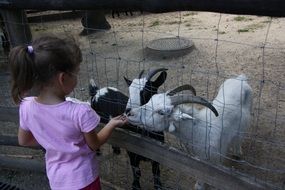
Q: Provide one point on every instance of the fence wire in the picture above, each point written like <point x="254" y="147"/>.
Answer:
<point x="225" y="46"/>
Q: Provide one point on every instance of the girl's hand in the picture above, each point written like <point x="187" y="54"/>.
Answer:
<point x="119" y="121"/>
<point x="95" y="140"/>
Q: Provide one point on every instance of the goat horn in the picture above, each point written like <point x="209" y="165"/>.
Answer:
<point x="153" y="72"/>
<point x="181" y="88"/>
<point x="141" y="73"/>
<point x="187" y="98"/>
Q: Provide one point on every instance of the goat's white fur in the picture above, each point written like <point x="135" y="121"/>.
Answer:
<point x="135" y="88"/>
<point x="75" y="100"/>
<point x="207" y="136"/>
<point x="101" y="92"/>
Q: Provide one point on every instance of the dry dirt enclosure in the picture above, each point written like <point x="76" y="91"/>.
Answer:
<point x="224" y="46"/>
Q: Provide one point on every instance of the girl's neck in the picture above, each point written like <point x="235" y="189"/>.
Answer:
<point x="50" y="97"/>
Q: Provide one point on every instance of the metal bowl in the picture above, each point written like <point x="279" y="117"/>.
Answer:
<point x="172" y="44"/>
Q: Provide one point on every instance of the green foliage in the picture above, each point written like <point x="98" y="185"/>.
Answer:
<point x="243" y="30"/>
<point x="252" y="27"/>
<point x="190" y="14"/>
<point x="155" y="23"/>
<point x="242" y="18"/>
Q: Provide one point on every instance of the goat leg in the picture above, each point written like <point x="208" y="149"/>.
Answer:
<point x="135" y="162"/>
<point x="156" y="175"/>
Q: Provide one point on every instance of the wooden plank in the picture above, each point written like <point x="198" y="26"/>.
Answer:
<point x="10" y="114"/>
<point x="9" y="140"/>
<point x="251" y="7"/>
<point x="23" y="164"/>
<point x="220" y="177"/>
<point x="55" y="16"/>
<point x="13" y="141"/>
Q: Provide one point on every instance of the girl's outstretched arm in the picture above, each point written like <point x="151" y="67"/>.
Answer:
<point x="26" y="138"/>
<point x="95" y="140"/>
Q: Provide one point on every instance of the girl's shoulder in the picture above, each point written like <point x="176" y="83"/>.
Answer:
<point x="26" y="107"/>
<point x="27" y="100"/>
<point x="83" y="113"/>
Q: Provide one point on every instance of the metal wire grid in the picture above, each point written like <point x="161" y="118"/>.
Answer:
<point x="266" y="133"/>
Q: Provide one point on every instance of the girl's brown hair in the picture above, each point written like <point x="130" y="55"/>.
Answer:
<point x="34" y="65"/>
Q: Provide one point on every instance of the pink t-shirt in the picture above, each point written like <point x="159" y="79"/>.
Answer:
<point x="59" y="128"/>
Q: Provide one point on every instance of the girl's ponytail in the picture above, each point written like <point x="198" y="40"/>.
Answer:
<point x="23" y="71"/>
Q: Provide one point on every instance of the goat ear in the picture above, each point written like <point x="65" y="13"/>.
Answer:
<point x="92" y="88"/>
<point x="160" y="79"/>
<point x="167" y="110"/>
<point x="129" y="82"/>
<point x="178" y="115"/>
<point x="186" y="116"/>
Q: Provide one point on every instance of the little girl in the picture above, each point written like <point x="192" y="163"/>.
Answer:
<point x="66" y="130"/>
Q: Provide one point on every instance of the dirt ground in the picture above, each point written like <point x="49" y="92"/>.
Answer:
<point x="224" y="46"/>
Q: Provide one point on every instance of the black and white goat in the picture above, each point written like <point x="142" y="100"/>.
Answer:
<point x="109" y="102"/>
<point x="209" y="133"/>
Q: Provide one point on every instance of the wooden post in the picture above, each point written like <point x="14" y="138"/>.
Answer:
<point x="16" y="26"/>
<point x="94" y="20"/>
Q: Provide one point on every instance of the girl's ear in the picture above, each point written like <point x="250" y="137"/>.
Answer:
<point x="61" y="78"/>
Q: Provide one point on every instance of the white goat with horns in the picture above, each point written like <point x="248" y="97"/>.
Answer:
<point x="210" y="132"/>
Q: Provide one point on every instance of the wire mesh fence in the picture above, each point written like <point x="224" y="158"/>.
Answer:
<point x="225" y="46"/>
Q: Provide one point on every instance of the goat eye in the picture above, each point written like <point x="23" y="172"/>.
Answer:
<point x="160" y="112"/>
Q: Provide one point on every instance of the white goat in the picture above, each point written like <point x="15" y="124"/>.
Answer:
<point x="207" y="135"/>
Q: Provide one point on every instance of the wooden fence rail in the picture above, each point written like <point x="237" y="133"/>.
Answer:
<point x="220" y="177"/>
<point x="252" y="7"/>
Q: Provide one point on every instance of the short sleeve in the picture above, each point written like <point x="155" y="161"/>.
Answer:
<point x="88" y="120"/>
<point x="23" y="118"/>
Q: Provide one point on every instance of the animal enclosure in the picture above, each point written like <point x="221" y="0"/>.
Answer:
<point x="225" y="46"/>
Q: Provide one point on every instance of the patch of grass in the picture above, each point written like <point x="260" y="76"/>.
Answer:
<point x="131" y="24"/>
<point x="252" y="27"/>
<point x="256" y="26"/>
<point x="191" y="14"/>
<point x="220" y="32"/>
<point x="37" y="29"/>
<point x="172" y="22"/>
<point x="243" y="30"/>
<point x="242" y="18"/>
<point x="266" y="21"/>
<point x="154" y="23"/>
